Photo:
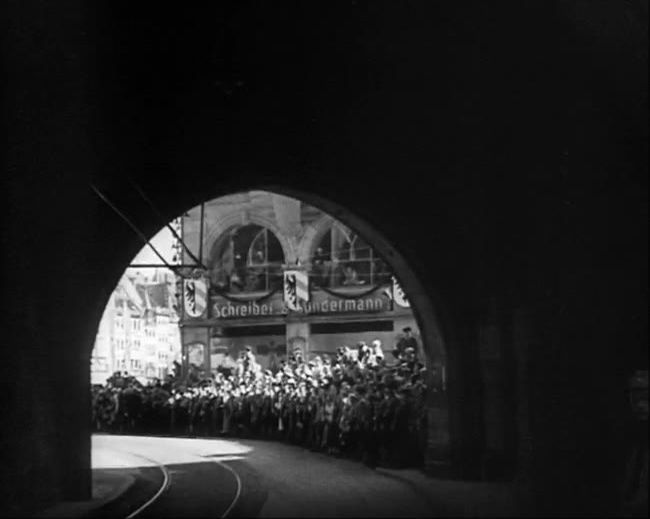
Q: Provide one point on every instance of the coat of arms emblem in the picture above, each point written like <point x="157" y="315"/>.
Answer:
<point x="195" y="296"/>
<point x="296" y="289"/>
<point x="398" y="295"/>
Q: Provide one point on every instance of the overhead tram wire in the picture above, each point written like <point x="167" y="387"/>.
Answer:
<point x="173" y="231"/>
<point x="166" y="223"/>
<point x="180" y="240"/>
<point x="173" y="268"/>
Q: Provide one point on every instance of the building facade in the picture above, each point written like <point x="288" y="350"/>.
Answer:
<point x="247" y="255"/>
<point x="139" y="330"/>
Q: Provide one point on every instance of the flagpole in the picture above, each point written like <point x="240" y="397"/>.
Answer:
<point x="201" y="233"/>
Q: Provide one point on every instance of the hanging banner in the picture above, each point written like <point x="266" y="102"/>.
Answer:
<point x="195" y="297"/>
<point x="320" y="302"/>
<point x="399" y="296"/>
<point x="296" y="289"/>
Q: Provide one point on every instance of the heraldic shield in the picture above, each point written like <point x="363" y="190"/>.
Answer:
<point x="398" y="294"/>
<point x="195" y="297"/>
<point x="296" y="289"/>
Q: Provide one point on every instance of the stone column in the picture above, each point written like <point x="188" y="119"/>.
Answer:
<point x="493" y="378"/>
<point x="437" y="462"/>
<point x="522" y="335"/>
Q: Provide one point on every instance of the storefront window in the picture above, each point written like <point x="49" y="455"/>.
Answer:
<point x="249" y="260"/>
<point x="343" y="259"/>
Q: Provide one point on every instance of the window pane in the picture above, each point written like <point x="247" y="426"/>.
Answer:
<point x="324" y="250"/>
<point x="382" y="274"/>
<point x="275" y="253"/>
<point x="340" y="244"/>
<point x="362" y="249"/>
<point x="247" y="261"/>
<point x="257" y="251"/>
<point x="275" y="277"/>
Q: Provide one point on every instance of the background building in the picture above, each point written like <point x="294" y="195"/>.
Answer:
<point x="139" y="330"/>
<point x="246" y="242"/>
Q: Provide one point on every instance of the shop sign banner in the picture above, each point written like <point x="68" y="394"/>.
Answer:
<point x="324" y="303"/>
<point x="225" y="309"/>
<point x="319" y="303"/>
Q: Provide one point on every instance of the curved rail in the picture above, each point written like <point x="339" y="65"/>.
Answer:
<point x="164" y="486"/>
<point x="167" y="481"/>
<point x="239" y="486"/>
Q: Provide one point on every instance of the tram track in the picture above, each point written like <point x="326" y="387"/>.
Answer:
<point x="239" y="488"/>
<point x="167" y="485"/>
<point x="246" y="478"/>
<point x="161" y="490"/>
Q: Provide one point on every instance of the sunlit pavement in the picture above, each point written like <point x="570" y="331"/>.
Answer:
<point x="270" y="479"/>
<point x="116" y="476"/>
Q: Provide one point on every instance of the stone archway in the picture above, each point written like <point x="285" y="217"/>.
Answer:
<point x="312" y="236"/>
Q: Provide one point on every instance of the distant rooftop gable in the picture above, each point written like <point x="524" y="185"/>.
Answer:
<point x="155" y="295"/>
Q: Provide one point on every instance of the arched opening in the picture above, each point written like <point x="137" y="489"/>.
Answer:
<point x="286" y="276"/>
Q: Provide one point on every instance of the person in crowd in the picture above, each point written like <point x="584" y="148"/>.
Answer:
<point x="363" y="353"/>
<point x="406" y="341"/>
<point x="377" y="352"/>
<point x="351" y="277"/>
<point x="332" y="414"/>
<point x="321" y="268"/>
<point x="352" y="404"/>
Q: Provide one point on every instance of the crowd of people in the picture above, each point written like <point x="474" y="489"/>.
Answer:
<point x="358" y="404"/>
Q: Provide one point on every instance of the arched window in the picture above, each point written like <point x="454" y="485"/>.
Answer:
<point x="249" y="259"/>
<point x="343" y="258"/>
